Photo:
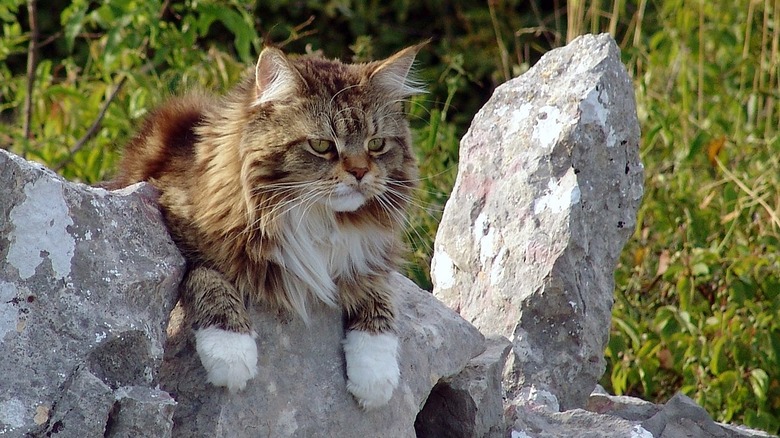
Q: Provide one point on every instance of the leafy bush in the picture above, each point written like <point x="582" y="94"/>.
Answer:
<point x="697" y="288"/>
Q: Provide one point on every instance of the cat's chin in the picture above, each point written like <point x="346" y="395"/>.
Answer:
<point x="346" y="203"/>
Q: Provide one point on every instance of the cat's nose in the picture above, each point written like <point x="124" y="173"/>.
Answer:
<point x="358" y="172"/>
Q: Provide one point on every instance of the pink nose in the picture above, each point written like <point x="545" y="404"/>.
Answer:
<point x="358" y="172"/>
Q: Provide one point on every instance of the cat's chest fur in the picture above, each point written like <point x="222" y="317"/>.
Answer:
<point x="316" y="249"/>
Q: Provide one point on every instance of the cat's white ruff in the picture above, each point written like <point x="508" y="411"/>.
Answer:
<point x="315" y="249"/>
<point x="372" y="367"/>
<point x="230" y="358"/>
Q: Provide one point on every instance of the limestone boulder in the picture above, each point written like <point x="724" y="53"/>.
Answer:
<point x="546" y="195"/>
<point x="87" y="280"/>
<point x="300" y="389"/>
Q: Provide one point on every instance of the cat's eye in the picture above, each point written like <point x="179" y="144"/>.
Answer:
<point x="376" y="144"/>
<point x="321" y="146"/>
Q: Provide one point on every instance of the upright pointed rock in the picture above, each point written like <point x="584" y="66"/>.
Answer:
<point x="546" y="196"/>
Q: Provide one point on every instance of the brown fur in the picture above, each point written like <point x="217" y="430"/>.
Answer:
<point x="215" y="161"/>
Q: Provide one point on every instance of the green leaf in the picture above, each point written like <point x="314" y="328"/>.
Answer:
<point x="700" y="269"/>
<point x="728" y="380"/>
<point x="697" y="146"/>
<point x="73" y="21"/>
<point x="630" y="331"/>
<point x="239" y="25"/>
<point x="759" y="381"/>
<point x="718" y="363"/>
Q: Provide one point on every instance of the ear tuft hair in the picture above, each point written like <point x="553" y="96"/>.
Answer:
<point x="395" y="74"/>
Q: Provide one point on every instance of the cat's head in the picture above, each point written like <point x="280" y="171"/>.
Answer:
<point x="322" y="131"/>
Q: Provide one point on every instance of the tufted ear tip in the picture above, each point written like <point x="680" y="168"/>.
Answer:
<point x="395" y="74"/>
<point x="275" y="77"/>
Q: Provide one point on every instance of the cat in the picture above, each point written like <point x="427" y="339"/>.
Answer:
<point x="290" y="188"/>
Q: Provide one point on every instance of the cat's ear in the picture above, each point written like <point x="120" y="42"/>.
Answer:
<point x="395" y="74"/>
<point x="275" y="77"/>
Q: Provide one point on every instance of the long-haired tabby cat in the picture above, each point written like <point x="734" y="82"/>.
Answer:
<point x="290" y="188"/>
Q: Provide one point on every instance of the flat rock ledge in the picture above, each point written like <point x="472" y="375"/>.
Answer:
<point x="301" y="389"/>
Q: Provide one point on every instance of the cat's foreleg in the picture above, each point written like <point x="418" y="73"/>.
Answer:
<point x="223" y="334"/>
<point x="371" y="345"/>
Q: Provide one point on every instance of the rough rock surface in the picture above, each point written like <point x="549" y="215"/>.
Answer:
<point x="87" y="280"/>
<point x="610" y="416"/>
<point x="301" y="390"/>
<point x="546" y="196"/>
<point x="469" y="404"/>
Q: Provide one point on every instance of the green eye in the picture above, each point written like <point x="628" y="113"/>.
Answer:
<point x="376" y="144"/>
<point x="321" y="146"/>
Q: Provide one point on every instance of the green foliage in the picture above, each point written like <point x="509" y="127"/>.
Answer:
<point x="118" y="49"/>
<point x="698" y="287"/>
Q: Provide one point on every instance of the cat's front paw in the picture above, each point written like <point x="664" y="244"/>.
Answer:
<point x="230" y="358"/>
<point x="372" y="367"/>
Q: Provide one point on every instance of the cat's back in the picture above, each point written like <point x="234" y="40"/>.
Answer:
<point x="164" y="146"/>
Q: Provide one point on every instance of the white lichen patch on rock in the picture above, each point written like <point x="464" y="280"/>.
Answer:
<point x="548" y="127"/>
<point x="12" y="413"/>
<point x="40" y="230"/>
<point x="640" y="432"/>
<point x="562" y="194"/>
<point x="517" y="120"/>
<point x="486" y="238"/>
<point x="443" y="270"/>
<point x="595" y="109"/>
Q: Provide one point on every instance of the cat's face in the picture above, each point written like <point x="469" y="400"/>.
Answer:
<point x="333" y="133"/>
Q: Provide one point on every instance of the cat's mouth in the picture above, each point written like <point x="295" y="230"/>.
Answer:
<point x="346" y="198"/>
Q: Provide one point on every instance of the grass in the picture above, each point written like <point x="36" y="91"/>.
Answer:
<point x="699" y="284"/>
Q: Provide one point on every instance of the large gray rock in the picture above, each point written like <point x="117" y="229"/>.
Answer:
<point x="87" y="280"/>
<point x="300" y="390"/>
<point x="546" y="196"/>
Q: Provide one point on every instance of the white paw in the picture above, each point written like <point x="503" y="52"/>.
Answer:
<point x="230" y="358"/>
<point x="372" y="367"/>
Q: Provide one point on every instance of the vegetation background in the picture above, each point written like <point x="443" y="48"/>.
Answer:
<point x="698" y="287"/>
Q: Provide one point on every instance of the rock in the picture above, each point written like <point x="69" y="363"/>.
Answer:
<point x="469" y="404"/>
<point x="627" y="408"/>
<point x="546" y="196"/>
<point x="679" y="417"/>
<point x="87" y="280"/>
<point x="300" y="389"/>
<point x="141" y="411"/>
<point x="542" y="423"/>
